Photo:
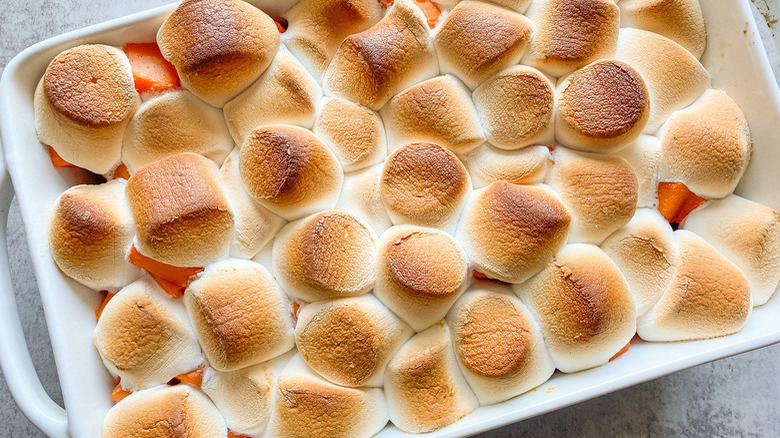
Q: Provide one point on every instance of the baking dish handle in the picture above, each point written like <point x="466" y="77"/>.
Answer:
<point x="20" y="375"/>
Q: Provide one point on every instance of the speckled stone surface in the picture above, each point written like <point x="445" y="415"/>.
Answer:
<point x="738" y="396"/>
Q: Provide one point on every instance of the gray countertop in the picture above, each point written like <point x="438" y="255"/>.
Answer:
<point x="737" y="396"/>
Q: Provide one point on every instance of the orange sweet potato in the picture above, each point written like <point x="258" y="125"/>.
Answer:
<point x="119" y="394"/>
<point x="194" y="377"/>
<point x="431" y="10"/>
<point x="58" y="161"/>
<point x="671" y="196"/>
<point x="622" y="351"/>
<point x="103" y="305"/>
<point x="151" y="71"/>
<point x="172" y="279"/>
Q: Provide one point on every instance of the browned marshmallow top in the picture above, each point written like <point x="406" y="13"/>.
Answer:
<point x="512" y="231"/>
<point x="424" y="184"/>
<point x="91" y="86"/>
<point x="218" y="46"/>
<point x="606" y="100"/>
<point x="288" y="168"/>
<point x="182" y="217"/>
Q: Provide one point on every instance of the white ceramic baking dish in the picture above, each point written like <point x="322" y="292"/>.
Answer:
<point x="735" y="57"/>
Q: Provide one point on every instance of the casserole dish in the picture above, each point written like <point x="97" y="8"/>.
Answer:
<point x="735" y="59"/>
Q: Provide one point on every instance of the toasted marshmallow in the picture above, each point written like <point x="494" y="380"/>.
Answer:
<point x="255" y="226"/>
<point x="487" y="164"/>
<point x="517" y="5"/>
<point x="317" y="28"/>
<point x="499" y="346"/>
<point x="425" y="389"/>
<point x="707" y="296"/>
<point x="746" y="232"/>
<point x="219" y="47"/>
<point x="144" y="337"/>
<point x="645" y="252"/>
<point x="420" y="273"/>
<point x="510" y="232"/>
<point x="570" y="34"/>
<point x="477" y="40"/>
<point x="245" y="397"/>
<point x="584" y="307"/>
<point x="240" y="314"/>
<point x="601" y="107"/>
<point x="83" y="103"/>
<point x="165" y="411"/>
<point x="516" y="108"/>
<point x="290" y="171"/>
<point x="439" y="111"/>
<point x="285" y="94"/>
<point x="349" y="341"/>
<point x="372" y="66"/>
<point x="680" y="20"/>
<point x="644" y="155"/>
<point x="182" y="217"/>
<point x="707" y="146"/>
<point x="173" y="123"/>
<point x="324" y="256"/>
<point x="673" y="76"/>
<point x="600" y="190"/>
<point x="362" y="197"/>
<point x="355" y="133"/>
<point x="91" y="231"/>
<point x="307" y="405"/>
<point x="424" y="184"/>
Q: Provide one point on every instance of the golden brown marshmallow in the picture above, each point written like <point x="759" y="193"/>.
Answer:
<point x="679" y="20"/>
<point x="354" y="133"/>
<point x="144" y="337"/>
<point x="182" y="217"/>
<point x="240" y="314"/>
<point x="91" y="231"/>
<point x="601" y="107"/>
<point x="307" y="405"/>
<point x="570" y="34"/>
<point x="707" y="297"/>
<point x="325" y="256"/>
<point x="498" y="344"/>
<point x="219" y="47"/>
<point x="285" y="94"/>
<point x="420" y="273"/>
<point x="476" y="40"/>
<point x="645" y="252"/>
<point x="510" y="232"/>
<point x="439" y="111"/>
<point x="601" y="191"/>
<point x="707" y="146"/>
<point x="487" y="164"/>
<point x="372" y="66"/>
<point x="83" y="103"/>
<point x="290" y="171"/>
<point x="673" y="76"/>
<point x="349" y="341"/>
<point x="424" y="386"/>
<point x="164" y="411"/>
<point x="424" y="184"/>
<point x="583" y="306"/>
<point x="317" y="28"/>
<point x="173" y="123"/>
<point x="746" y="232"/>
<point x="517" y="107"/>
